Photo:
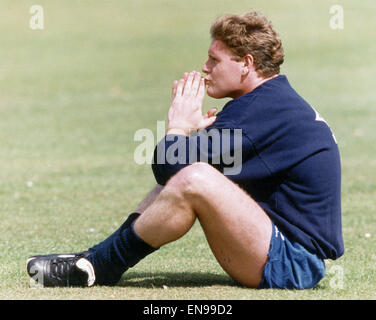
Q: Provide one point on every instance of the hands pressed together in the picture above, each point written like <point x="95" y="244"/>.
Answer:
<point x="185" y="113"/>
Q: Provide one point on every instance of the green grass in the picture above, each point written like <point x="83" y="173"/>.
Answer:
<point x="73" y="95"/>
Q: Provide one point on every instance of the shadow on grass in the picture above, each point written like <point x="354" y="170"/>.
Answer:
<point x="175" y="279"/>
<point x="183" y="280"/>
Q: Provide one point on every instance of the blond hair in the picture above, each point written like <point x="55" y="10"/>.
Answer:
<point x="251" y="33"/>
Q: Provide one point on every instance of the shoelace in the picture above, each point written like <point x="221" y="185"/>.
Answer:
<point x="62" y="268"/>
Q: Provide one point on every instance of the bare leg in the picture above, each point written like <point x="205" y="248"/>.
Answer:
<point x="149" y="198"/>
<point x="237" y="229"/>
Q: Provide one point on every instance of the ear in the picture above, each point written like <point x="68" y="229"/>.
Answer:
<point x="247" y="64"/>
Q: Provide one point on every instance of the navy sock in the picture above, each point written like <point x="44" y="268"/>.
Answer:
<point x="120" y="251"/>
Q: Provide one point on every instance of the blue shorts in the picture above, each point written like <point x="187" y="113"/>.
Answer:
<point x="290" y="265"/>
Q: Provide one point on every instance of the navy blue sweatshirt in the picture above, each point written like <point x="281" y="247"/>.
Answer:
<point x="289" y="162"/>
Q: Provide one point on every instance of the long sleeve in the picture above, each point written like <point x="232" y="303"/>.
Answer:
<point x="221" y="146"/>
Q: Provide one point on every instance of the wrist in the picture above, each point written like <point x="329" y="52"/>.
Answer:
<point x="178" y="131"/>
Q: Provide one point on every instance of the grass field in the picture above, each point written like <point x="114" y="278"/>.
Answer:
<point x="73" y="94"/>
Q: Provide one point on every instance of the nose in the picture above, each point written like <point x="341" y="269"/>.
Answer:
<point x="205" y="68"/>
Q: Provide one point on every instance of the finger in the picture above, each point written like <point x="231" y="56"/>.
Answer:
<point x="201" y="90"/>
<point x="212" y="112"/>
<point x="196" y="83"/>
<point x="185" y="77"/>
<point x="174" y="87"/>
<point x="209" y="121"/>
<point x="179" y="88"/>
<point x="189" y="82"/>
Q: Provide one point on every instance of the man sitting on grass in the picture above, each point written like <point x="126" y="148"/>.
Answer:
<point x="270" y="221"/>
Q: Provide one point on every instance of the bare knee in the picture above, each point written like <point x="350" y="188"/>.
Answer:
<point x="191" y="180"/>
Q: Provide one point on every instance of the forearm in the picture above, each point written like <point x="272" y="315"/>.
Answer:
<point x="222" y="148"/>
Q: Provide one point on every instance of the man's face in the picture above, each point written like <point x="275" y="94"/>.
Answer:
<point x="223" y="72"/>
